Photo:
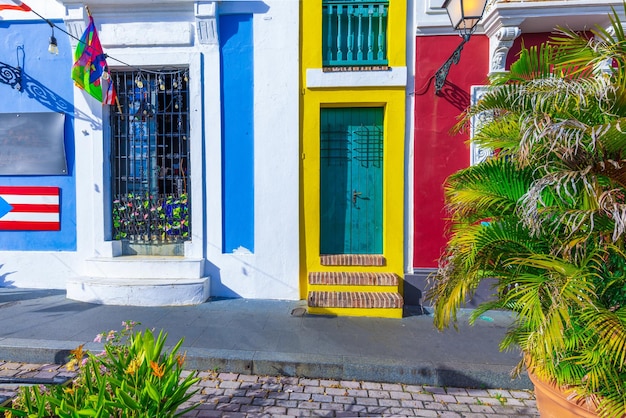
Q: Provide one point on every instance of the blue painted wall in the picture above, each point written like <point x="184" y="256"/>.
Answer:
<point x="236" y="39"/>
<point x="46" y="87"/>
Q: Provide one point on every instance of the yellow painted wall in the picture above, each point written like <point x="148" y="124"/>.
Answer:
<point x="393" y="100"/>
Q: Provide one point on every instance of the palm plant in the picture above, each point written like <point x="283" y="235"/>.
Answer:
<point x="546" y="215"/>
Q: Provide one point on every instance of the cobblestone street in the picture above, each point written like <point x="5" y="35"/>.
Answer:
<point x="240" y="395"/>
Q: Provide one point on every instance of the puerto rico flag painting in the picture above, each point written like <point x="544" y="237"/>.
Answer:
<point x="29" y="208"/>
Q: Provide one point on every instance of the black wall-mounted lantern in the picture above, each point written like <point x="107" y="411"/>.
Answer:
<point x="464" y="16"/>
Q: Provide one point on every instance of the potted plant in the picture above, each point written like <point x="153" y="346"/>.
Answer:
<point x="545" y="216"/>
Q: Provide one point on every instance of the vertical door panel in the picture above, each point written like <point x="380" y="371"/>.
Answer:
<point x="351" y="174"/>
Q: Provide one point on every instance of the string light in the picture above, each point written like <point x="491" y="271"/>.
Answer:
<point x="53" y="47"/>
<point x="53" y="26"/>
<point x="139" y="81"/>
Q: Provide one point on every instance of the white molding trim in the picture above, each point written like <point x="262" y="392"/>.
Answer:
<point x="393" y="77"/>
<point x="545" y="16"/>
<point x="477" y="154"/>
<point x="499" y="46"/>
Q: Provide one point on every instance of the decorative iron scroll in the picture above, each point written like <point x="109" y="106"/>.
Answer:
<point x="11" y="76"/>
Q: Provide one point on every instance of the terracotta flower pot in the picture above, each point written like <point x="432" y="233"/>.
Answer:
<point x="556" y="402"/>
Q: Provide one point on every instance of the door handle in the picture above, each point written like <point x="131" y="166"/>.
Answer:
<point x="355" y="195"/>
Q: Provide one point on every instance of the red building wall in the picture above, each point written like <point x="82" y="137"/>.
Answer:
<point x="438" y="152"/>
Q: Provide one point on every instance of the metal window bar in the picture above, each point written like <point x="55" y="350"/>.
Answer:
<point x="355" y="25"/>
<point x="150" y="157"/>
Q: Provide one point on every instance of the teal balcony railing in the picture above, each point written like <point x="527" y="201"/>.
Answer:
<point x="354" y="32"/>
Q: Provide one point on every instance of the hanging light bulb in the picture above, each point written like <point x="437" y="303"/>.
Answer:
<point x="139" y="81"/>
<point x="161" y="83"/>
<point x="53" y="47"/>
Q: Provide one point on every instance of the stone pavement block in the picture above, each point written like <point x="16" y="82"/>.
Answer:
<point x="350" y="384"/>
<point x="367" y="401"/>
<point x="392" y="387"/>
<point x="336" y="391"/>
<point x="230" y="384"/>
<point x="371" y="385"/>
<point x="314" y="389"/>
<point x="287" y="403"/>
<point x="309" y="382"/>
<point x="318" y="397"/>
<point x="292" y="388"/>
<point x="388" y="402"/>
<point x="379" y="394"/>
<point x="445" y="398"/>
<point x="350" y="400"/>
<point x="450" y="414"/>
<point x="400" y="395"/>
<point x="235" y="392"/>
<point x="482" y="409"/>
<point x="278" y="395"/>
<point x="436" y="406"/>
<point x="412" y="404"/>
<point x="309" y="405"/>
<point x="299" y="396"/>
<point x="456" y="391"/>
<point x="263" y="402"/>
<point x="425" y="413"/>
<point x="334" y="406"/>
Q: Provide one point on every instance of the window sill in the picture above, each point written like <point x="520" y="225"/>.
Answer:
<point x="392" y="77"/>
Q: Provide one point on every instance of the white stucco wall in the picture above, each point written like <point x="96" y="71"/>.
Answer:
<point x="144" y="33"/>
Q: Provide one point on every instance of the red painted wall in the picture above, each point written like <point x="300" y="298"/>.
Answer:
<point x="438" y="153"/>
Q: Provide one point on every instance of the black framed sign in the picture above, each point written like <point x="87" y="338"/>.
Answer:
<point x="32" y="144"/>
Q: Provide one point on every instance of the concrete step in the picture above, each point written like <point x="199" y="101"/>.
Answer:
<point x="343" y="278"/>
<point x="142" y="266"/>
<point x="139" y="291"/>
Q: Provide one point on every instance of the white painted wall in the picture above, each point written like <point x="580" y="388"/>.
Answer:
<point x="146" y="33"/>
<point x="272" y="271"/>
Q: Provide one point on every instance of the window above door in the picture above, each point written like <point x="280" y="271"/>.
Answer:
<point x="354" y="33"/>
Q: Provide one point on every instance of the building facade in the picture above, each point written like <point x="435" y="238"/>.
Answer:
<point x="505" y="26"/>
<point x="354" y="79"/>
<point x="188" y="186"/>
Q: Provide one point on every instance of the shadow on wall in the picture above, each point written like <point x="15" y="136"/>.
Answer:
<point x="17" y="79"/>
<point x="218" y="289"/>
<point x="3" y="278"/>
<point x="455" y="95"/>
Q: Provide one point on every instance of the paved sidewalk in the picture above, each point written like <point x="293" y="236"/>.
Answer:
<point x="271" y="337"/>
<point x="242" y="395"/>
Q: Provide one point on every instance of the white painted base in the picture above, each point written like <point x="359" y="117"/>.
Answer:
<point x="139" y="291"/>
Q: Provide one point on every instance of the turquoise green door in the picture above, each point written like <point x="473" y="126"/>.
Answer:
<point x="351" y="181"/>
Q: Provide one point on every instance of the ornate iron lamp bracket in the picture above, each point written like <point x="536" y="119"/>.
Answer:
<point x="442" y="72"/>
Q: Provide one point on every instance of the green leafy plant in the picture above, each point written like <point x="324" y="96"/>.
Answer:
<point x="545" y="216"/>
<point x="140" y="216"/>
<point x="133" y="377"/>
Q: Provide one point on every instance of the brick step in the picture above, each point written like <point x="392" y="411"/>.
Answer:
<point x="353" y="279"/>
<point x="362" y="300"/>
<point x="352" y="260"/>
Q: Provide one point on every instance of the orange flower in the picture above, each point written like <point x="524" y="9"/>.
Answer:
<point x="181" y="359"/>
<point x="77" y="356"/>
<point x="78" y="352"/>
<point x="157" y="370"/>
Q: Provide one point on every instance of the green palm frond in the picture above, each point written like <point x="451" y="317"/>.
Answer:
<point x="545" y="216"/>
<point x="532" y="63"/>
<point x="488" y="190"/>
